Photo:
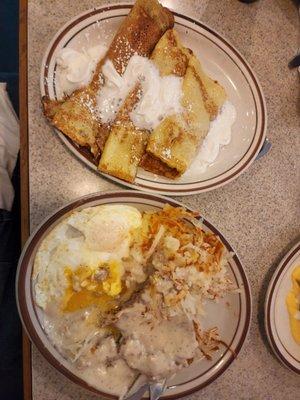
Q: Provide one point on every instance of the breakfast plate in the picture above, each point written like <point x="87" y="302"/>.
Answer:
<point x="232" y="314"/>
<point x="219" y="59"/>
<point x="277" y="319"/>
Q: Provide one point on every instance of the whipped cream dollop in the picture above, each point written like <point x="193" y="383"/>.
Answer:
<point x="75" y="68"/>
<point x="219" y="135"/>
<point x="159" y="96"/>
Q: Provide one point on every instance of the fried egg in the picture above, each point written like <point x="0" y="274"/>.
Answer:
<point x="80" y="262"/>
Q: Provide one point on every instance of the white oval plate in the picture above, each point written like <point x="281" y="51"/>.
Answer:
<point x="221" y="61"/>
<point x="277" y="322"/>
<point x="231" y="315"/>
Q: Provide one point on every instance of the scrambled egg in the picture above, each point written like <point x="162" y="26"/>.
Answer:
<point x="293" y="304"/>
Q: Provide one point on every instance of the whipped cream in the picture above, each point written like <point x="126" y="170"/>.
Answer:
<point x="219" y="135"/>
<point x="159" y="96"/>
<point x="75" y="69"/>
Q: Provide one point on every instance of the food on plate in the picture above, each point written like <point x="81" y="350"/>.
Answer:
<point x="293" y="304"/>
<point x="149" y="103"/>
<point x="125" y="144"/>
<point x="123" y="292"/>
<point x="173" y="144"/>
<point x="156" y="95"/>
<point x="75" y="116"/>
<point x="179" y="116"/>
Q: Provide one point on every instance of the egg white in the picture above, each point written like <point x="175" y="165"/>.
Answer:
<point x="87" y="238"/>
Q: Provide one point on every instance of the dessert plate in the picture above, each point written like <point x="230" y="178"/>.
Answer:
<point x="232" y="314"/>
<point x="220" y="60"/>
<point x="277" y="322"/>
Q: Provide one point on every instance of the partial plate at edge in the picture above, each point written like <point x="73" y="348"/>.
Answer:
<point x="276" y="315"/>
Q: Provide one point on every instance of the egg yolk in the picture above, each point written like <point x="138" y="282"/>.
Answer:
<point x="88" y="287"/>
<point x="293" y="304"/>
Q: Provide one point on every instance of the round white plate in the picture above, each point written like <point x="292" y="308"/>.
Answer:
<point x="231" y="315"/>
<point x="220" y="60"/>
<point x="276" y="315"/>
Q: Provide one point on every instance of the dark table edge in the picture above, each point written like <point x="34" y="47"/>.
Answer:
<point x="24" y="170"/>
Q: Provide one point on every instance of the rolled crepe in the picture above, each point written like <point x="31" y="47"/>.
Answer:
<point x="76" y="115"/>
<point x="175" y="140"/>
<point x="125" y="145"/>
<point x="173" y="144"/>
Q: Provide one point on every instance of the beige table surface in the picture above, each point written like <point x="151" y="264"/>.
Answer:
<point x="259" y="212"/>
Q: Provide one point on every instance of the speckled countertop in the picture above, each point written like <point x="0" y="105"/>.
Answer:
<point x="259" y="212"/>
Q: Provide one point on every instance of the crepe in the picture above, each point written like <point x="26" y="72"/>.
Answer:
<point x="126" y="144"/>
<point x="75" y="116"/>
<point x="172" y="145"/>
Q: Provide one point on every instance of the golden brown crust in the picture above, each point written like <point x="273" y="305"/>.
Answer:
<point x="126" y="143"/>
<point x="140" y="32"/>
<point x="210" y="106"/>
<point x="214" y="94"/>
<point x="50" y="107"/>
<point x="169" y="55"/>
<point x="123" y="151"/>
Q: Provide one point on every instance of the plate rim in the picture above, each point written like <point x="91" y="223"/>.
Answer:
<point x="67" y="207"/>
<point x="164" y="189"/>
<point x="283" y="264"/>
